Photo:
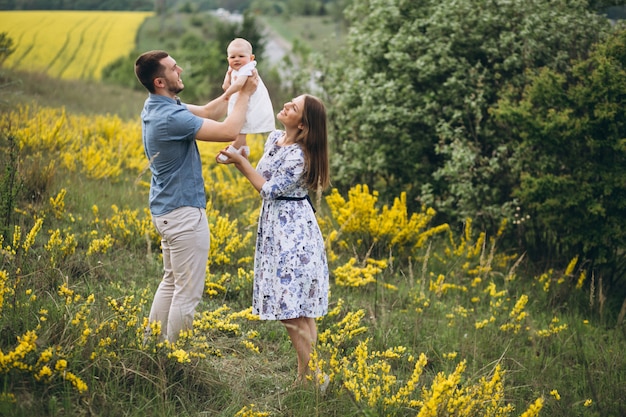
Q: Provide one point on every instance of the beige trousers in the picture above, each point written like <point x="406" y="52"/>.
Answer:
<point x="185" y="243"/>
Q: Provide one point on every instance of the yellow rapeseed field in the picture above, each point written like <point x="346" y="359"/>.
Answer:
<point x="69" y="44"/>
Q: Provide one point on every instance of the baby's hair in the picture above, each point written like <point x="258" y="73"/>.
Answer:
<point x="241" y="41"/>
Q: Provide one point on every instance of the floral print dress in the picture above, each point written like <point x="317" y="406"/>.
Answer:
<point x="290" y="266"/>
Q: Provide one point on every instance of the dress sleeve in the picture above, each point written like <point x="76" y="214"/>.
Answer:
<point x="286" y="176"/>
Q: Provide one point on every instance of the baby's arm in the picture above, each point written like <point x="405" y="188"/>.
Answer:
<point x="226" y="82"/>
<point x="235" y="86"/>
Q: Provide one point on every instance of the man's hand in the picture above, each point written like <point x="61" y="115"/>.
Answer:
<point x="251" y="83"/>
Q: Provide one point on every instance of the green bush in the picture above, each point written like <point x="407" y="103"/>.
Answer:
<point x="570" y="155"/>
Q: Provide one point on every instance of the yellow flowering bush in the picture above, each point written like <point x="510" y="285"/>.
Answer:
<point x="368" y="376"/>
<point x="357" y="225"/>
<point x="100" y="147"/>
<point x="228" y="245"/>
<point x="249" y="411"/>
<point x="352" y="275"/>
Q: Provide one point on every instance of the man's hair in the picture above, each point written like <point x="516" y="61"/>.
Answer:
<point x="148" y="67"/>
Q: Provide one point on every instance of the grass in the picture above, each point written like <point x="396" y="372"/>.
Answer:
<point x="19" y="87"/>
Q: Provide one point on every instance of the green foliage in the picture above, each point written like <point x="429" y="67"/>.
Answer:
<point x="570" y="155"/>
<point x="198" y="42"/>
<point x="10" y="184"/>
<point x="410" y="102"/>
<point x="121" y="72"/>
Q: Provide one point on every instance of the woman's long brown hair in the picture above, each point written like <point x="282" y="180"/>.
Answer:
<point x="313" y="139"/>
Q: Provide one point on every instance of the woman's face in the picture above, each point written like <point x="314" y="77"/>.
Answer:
<point x="291" y="114"/>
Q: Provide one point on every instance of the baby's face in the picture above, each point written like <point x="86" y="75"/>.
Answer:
<point x="238" y="56"/>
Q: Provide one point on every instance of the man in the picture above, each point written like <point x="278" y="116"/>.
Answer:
<point x="177" y="197"/>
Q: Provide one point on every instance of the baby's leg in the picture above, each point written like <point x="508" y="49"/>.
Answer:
<point x="239" y="144"/>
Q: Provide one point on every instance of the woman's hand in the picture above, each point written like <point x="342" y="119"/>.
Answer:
<point x="227" y="157"/>
<point x="244" y="166"/>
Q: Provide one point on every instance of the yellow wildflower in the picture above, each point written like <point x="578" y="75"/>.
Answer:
<point x="534" y="409"/>
<point x="61" y="365"/>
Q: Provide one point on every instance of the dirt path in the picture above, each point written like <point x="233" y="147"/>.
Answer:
<point x="276" y="47"/>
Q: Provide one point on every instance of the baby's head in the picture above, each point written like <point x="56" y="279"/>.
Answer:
<point x="239" y="53"/>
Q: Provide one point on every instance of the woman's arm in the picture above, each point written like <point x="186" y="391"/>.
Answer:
<point x="285" y="177"/>
<point x="245" y="167"/>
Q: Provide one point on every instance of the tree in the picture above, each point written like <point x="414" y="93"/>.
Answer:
<point x="410" y="103"/>
<point x="203" y="56"/>
<point x="571" y="159"/>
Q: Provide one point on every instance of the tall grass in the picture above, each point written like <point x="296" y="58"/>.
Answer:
<point x="424" y="320"/>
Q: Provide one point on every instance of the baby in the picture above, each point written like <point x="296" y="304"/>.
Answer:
<point x="260" y="115"/>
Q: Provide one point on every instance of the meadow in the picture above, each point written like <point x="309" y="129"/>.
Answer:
<point x="426" y="319"/>
<point x="69" y="44"/>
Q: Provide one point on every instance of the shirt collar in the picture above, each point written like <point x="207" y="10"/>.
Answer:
<point x="159" y="97"/>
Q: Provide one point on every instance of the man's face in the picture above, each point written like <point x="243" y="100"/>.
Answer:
<point x="172" y="82"/>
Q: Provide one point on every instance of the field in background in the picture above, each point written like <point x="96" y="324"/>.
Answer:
<point x="69" y="44"/>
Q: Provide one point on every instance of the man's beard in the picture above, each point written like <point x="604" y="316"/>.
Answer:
<point x="174" y="89"/>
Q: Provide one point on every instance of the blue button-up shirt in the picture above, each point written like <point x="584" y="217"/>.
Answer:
<point x="169" y="130"/>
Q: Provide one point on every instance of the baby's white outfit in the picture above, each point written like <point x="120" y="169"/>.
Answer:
<point x="260" y="115"/>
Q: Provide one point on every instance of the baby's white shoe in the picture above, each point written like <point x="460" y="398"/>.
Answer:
<point x="244" y="150"/>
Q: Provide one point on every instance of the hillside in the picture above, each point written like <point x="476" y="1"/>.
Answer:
<point x="87" y="97"/>
<point x="81" y="97"/>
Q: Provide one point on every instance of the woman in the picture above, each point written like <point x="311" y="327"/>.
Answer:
<point x="290" y="267"/>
